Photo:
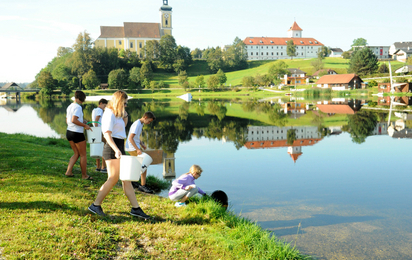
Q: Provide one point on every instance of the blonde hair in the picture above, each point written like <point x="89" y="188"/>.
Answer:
<point x="195" y="169"/>
<point x="116" y="104"/>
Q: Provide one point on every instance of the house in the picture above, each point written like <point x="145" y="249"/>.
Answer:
<point x="297" y="77"/>
<point x="325" y="72"/>
<point x="340" y="106"/>
<point x="403" y="54"/>
<point x="381" y="52"/>
<point x="273" y="48"/>
<point x="396" y="101"/>
<point x="340" y="82"/>
<point x="133" y="36"/>
<point x="336" y="52"/>
<point x="399" y="45"/>
<point x="11" y="86"/>
<point x="404" y="69"/>
<point x="294" y="108"/>
<point x="398" y="87"/>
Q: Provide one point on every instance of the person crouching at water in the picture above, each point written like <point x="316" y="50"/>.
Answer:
<point x="75" y="135"/>
<point x="113" y="128"/>
<point x="184" y="187"/>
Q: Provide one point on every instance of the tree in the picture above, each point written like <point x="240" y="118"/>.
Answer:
<point x="402" y="80"/>
<point x="383" y="68"/>
<point x="200" y="81"/>
<point x="134" y="78"/>
<point x="183" y="53"/>
<point x="363" y="62"/>
<point x="167" y="51"/>
<point x="118" y="79"/>
<point x="213" y="82"/>
<point x="46" y="83"/>
<point x="291" y="49"/>
<point x="182" y="78"/>
<point x="62" y="51"/>
<point x="346" y="55"/>
<point x="179" y="65"/>
<point x="361" y="125"/>
<point x="317" y="64"/>
<point x="247" y="81"/>
<point x="196" y="53"/>
<point x="153" y="86"/>
<point x="221" y="76"/>
<point x="291" y="136"/>
<point x="409" y="60"/>
<point x="323" y="52"/>
<point x="90" y="80"/>
<point x="215" y="59"/>
<point x="278" y="70"/>
<point x="146" y="73"/>
<point x="372" y="83"/>
<point x="82" y="56"/>
<point x="151" y="50"/>
<point x="235" y="57"/>
<point x="359" y="42"/>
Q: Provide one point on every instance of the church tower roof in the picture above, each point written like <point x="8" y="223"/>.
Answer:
<point x="295" y="27"/>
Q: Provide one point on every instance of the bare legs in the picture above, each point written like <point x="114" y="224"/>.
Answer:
<point x="98" y="164"/>
<point x="113" y="171"/>
<point x="79" y="150"/>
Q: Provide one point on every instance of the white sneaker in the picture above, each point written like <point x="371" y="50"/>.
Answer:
<point x="180" y="204"/>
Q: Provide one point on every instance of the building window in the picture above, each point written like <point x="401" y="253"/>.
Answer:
<point x="277" y="53"/>
<point x="131" y="45"/>
<point x="257" y="53"/>
<point x="281" y="53"/>
<point x="120" y="42"/>
<point x="262" y="53"/>
<point x="140" y="45"/>
<point x="267" y="53"/>
<point x="251" y="53"/>
<point x="272" y="53"/>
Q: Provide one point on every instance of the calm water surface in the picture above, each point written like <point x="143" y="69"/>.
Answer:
<point x="331" y="197"/>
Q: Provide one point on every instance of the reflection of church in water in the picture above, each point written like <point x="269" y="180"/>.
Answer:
<point x="263" y="137"/>
<point x="167" y="159"/>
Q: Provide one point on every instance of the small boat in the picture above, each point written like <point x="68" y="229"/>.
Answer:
<point x="288" y="94"/>
<point x="186" y="97"/>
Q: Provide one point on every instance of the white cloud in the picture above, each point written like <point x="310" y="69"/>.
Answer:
<point x="11" y="17"/>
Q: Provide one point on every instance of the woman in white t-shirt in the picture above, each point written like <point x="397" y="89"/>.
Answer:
<point x="75" y="135"/>
<point x="114" y="130"/>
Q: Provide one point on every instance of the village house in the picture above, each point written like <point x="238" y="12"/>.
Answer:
<point x="340" y="106"/>
<point x="398" y="87"/>
<point x="381" y="52"/>
<point x="403" y="54"/>
<point x="396" y="101"/>
<point x="297" y="77"/>
<point x="336" y="52"/>
<point x="404" y="69"/>
<point x="340" y="82"/>
<point x="399" y="46"/>
<point x="273" y="48"/>
<point x="325" y="72"/>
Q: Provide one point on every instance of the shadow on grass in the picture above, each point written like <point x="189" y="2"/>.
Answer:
<point x="41" y="206"/>
<point x="290" y="227"/>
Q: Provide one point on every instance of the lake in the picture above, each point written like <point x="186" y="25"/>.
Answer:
<point x="335" y="181"/>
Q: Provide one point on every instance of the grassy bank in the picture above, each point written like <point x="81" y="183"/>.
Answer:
<point x="43" y="215"/>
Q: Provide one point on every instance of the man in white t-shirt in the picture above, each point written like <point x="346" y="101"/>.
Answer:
<point x="97" y="115"/>
<point x="134" y="146"/>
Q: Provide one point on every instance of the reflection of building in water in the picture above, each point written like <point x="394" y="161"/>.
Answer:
<point x="397" y="101"/>
<point x="167" y="159"/>
<point x="261" y="137"/>
<point x="294" y="108"/>
<point x="381" y="128"/>
<point x="340" y="106"/>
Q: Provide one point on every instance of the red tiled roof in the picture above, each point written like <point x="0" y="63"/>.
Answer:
<point x="295" y="156"/>
<point x="337" y="79"/>
<point x="281" y="41"/>
<point x="319" y="71"/>
<point x="280" y="143"/>
<point x="295" y="27"/>
<point x="336" y="109"/>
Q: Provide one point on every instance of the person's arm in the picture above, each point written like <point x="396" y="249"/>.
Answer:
<point x="143" y="145"/>
<point x="131" y="140"/>
<point x="125" y="118"/>
<point x="97" y="120"/>
<point x="109" y="139"/>
<point x="181" y="182"/>
<point x="75" y="120"/>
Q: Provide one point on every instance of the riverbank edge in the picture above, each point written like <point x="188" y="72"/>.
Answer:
<point x="44" y="214"/>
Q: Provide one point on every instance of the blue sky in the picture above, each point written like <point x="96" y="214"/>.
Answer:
<point x="31" y="31"/>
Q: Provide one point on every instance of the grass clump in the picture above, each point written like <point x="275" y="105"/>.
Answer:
<point x="43" y="215"/>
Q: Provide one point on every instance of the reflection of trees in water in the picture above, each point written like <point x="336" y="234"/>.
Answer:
<point x="317" y="119"/>
<point x="230" y="130"/>
<point x="217" y="109"/>
<point x="361" y="125"/>
<point x="291" y="136"/>
<point x="54" y="114"/>
<point x="273" y="111"/>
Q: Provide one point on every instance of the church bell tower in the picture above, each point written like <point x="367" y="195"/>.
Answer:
<point x="166" y="18"/>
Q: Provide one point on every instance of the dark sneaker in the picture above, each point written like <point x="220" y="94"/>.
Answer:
<point x="145" y="189"/>
<point x="97" y="210"/>
<point x="138" y="212"/>
<point x="98" y="170"/>
<point x="135" y="184"/>
<point x="103" y="170"/>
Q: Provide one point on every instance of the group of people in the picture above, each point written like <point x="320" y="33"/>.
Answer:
<point x="113" y="119"/>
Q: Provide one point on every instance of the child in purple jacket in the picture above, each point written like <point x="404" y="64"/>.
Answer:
<point x="184" y="187"/>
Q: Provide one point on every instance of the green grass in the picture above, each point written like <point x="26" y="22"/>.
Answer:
<point x="43" y="215"/>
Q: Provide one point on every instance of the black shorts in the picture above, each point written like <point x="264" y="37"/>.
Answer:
<point x="108" y="152"/>
<point x="75" y="136"/>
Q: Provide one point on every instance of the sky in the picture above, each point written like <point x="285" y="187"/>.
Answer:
<point x="32" y="30"/>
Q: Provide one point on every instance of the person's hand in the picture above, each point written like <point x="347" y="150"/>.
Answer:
<point x="87" y="127"/>
<point x="118" y="154"/>
<point x="188" y="187"/>
<point x="143" y="146"/>
<point x="139" y="152"/>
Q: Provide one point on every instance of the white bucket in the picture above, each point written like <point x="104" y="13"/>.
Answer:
<point x="130" y="167"/>
<point x="146" y="161"/>
<point x="96" y="150"/>
<point x="94" y="136"/>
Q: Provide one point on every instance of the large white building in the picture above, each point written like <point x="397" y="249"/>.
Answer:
<point x="273" y="48"/>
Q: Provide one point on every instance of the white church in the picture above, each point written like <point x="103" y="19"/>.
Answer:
<point x="273" y="48"/>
